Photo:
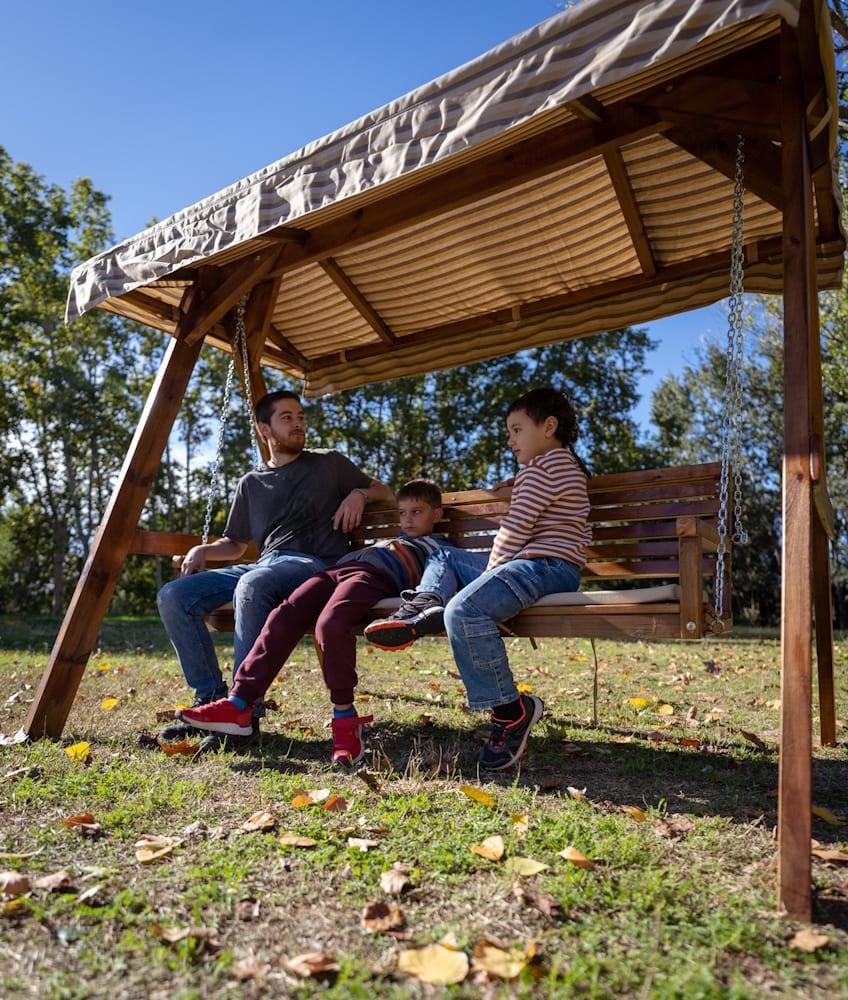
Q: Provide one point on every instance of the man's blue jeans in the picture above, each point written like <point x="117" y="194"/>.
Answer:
<point x="255" y="590"/>
<point x="471" y="619"/>
<point x="449" y="569"/>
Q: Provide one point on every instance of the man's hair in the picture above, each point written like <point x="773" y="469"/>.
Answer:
<point x="421" y="489"/>
<point x="539" y="404"/>
<point x="265" y="407"/>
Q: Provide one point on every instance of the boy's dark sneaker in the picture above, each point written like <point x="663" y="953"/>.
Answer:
<point x="222" y="716"/>
<point x="348" y="745"/>
<point x="508" y="740"/>
<point x="215" y="742"/>
<point x="422" y="613"/>
<point x="179" y="729"/>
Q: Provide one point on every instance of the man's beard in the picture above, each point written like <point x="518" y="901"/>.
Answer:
<point x="289" y="447"/>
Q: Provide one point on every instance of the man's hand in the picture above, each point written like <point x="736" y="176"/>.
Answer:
<point x="349" y="513"/>
<point x="195" y="561"/>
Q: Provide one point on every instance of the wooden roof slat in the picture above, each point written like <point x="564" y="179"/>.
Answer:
<point x="630" y="210"/>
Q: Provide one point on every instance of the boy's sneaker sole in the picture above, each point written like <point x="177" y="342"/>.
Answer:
<point x="538" y="710"/>
<point x="390" y="635"/>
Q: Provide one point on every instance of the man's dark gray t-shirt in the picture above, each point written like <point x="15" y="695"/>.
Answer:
<point x="292" y="506"/>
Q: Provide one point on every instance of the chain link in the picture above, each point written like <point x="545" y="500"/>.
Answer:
<point x="731" y="422"/>
<point x="239" y="350"/>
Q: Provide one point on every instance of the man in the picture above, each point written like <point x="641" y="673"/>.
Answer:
<point x="298" y="509"/>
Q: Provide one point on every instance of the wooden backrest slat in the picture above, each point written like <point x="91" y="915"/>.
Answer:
<point x="643" y="494"/>
<point x="651" y="511"/>
<point x="672" y="474"/>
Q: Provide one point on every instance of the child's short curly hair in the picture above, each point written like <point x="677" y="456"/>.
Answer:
<point x="539" y="404"/>
<point x="421" y="489"/>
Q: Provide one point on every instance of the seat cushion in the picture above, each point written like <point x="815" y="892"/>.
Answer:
<point x="637" y="595"/>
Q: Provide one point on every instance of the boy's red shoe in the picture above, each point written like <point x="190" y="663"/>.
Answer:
<point x="348" y="745"/>
<point x="221" y="716"/>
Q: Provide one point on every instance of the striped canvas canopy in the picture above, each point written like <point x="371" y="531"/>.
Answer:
<point x="572" y="180"/>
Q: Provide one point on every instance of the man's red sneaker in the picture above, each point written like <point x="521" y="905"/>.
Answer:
<point x="221" y="716"/>
<point x="348" y="745"/>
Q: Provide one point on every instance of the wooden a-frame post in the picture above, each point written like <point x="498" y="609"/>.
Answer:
<point x="81" y="625"/>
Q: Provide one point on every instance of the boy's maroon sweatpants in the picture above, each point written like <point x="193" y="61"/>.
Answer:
<point x="331" y="605"/>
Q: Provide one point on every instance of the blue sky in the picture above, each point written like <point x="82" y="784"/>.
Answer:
<point x="162" y="104"/>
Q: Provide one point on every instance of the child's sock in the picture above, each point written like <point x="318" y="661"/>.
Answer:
<point x="343" y="713"/>
<point x="240" y="703"/>
<point x="510" y="712"/>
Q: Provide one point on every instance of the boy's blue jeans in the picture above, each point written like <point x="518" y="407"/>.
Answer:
<point x="449" y="569"/>
<point x="471" y="619"/>
<point x="255" y="590"/>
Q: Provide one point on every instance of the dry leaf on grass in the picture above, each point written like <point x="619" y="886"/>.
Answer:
<point x="576" y="793"/>
<point x="395" y="879"/>
<point x="478" y="795"/>
<point x="84" y="823"/>
<point x="829" y="817"/>
<point x="173" y="935"/>
<point x="492" y="848"/>
<point x="524" y="688"/>
<point x="151" y="847"/>
<point x="247" y="909"/>
<point x="520" y="823"/>
<point x="10" y="856"/>
<point x="79" y="751"/>
<point x="249" y="968"/>
<point x="262" y="820"/>
<point x="108" y="704"/>
<point x="689" y="741"/>
<point x="833" y="855"/>
<point x="807" y="940"/>
<point x="55" y="882"/>
<point x="378" y="916"/>
<point x="302" y="799"/>
<point x="335" y="803"/>
<point x="296" y="840"/>
<point x="182" y="747"/>
<point x="541" y="901"/>
<point x="754" y="739"/>
<point x="524" y="866"/>
<point x="362" y="843"/>
<point x="638" y="703"/>
<point x="93" y="896"/>
<point x="666" y="710"/>
<point x="498" y="962"/>
<point x="313" y="963"/>
<point x="575" y="857"/>
<point x="634" y="812"/>
<point x="437" y="964"/>
<point x="13" y="883"/>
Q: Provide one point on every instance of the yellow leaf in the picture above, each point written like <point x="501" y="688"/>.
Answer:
<point x="824" y="813"/>
<point x="363" y="697"/>
<point x="666" y="710"/>
<point x="301" y="801"/>
<point x="108" y="704"/>
<point x="498" y="962"/>
<point x="634" y="812"/>
<point x="13" y="906"/>
<point x="525" y="688"/>
<point x="492" y="848"/>
<point x="576" y="858"/>
<point x="295" y="840"/>
<point x="78" y="751"/>
<point x="579" y="659"/>
<point x="520" y="823"/>
<point x="638" y="703"/>
<point x="435" y="964"/>
<point x="478" y="795"/>
<point x="524" y="866"/>
<point x="103" y="668"/>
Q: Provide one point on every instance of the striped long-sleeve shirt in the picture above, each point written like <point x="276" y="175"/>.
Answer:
<point x="548" y="512"/>
<point x="402" y="558"/>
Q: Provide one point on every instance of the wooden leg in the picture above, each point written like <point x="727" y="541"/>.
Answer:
<point x="824" y="634"/>
<point x="79" y="630"/>
<point x="794" y="822"/>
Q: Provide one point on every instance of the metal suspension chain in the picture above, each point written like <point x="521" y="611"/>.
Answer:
<point x="239" y="348"/>
<point x="731" y="446"/>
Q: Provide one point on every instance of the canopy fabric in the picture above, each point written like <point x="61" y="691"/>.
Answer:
<point x="636" y="228"/>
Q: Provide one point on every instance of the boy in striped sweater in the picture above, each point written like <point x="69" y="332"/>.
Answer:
<point x="332" y="604"/>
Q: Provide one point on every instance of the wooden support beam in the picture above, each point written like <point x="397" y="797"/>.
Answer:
<point x="630" y="210"/>
<point x="336" y="274"/>
<point x="588" y="108"/>
<point x="149" y="304"/>
<point x="794" y="822"/>
<point x="762" y="160"/>
<point x="81" y="625"/>
<point x="287" y="349"/>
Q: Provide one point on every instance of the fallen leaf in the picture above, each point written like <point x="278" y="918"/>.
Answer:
<point x="13" y="883"/>
<point x="108" y="704"/>
<point x="807" y="940"/>
<point x="541" y="901"/>
<point x="524" y="866"/>
<point x="378" y="916"/>
<point x="175" y="934"/>
<point x="22" y="772"/>
<point x="520" y="823"/>
<point x="634" y="812"/>
<point x="577" y="793"/>
<point x="666" y="710"/>
<point x="689" y="741"/>
<point x="82" y="819"/>
<point x="478" y="795"/>
<point x="638" y="703"/>
<point x="262" y="820"/>
<point x="362" y="843"/>
<point x="249" y="968"/>
<point x="312" y="963"/>
<point x="395" y="879"/>
<point x="335" y="803"/>
<point x="17" y="907"/>
<point x="672" y="826"/>
<point x="78" y="751"/>
<point x="93" y="896"/>
<point x="295" y="840"/>
<point x="753" y="738"/>
<point x="524" y="688"/>
<point x="301" y="801"/>
<point x="151" y="847"/>
<point x="182" y="747"/>
<point x="10" y="856"/>
<point x="491" y="848"/>
<point x="497" y="962"/>
<point x="247" y="908"/>
<point x="55" y="882"/>
<point x="657" y="737"/>
<point x="575" y="857"/>
<point x="437" y="964"/>
<point x="824" y="813"/>
<point x="832" y="855"/>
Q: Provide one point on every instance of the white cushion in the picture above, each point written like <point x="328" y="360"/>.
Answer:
<point x="638" y="595"/>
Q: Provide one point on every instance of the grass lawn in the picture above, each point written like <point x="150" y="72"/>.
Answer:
<point x="680" y="901"/>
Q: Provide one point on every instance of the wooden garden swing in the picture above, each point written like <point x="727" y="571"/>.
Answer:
<point x="573" y="180"/>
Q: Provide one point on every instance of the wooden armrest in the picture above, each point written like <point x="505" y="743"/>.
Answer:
<point x="695" y="527"/>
